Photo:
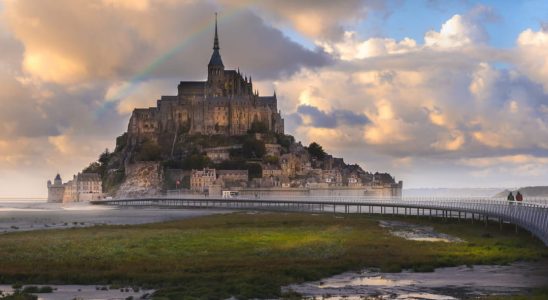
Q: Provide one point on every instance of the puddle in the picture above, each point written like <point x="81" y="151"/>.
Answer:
<point x="86" y="292"/>
<point x="443" y="283"/>
<point x="416" y="232"/>
<point x="370" y="281"/>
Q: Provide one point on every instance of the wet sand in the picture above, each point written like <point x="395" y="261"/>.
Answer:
<point x="25" y="216"/>
<point x="86" y="292"/>
<point x="416" y="232"/>
<point x="443" y="283"/>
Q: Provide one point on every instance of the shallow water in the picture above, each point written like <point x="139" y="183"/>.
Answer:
<point x="85" y="292"/>
<point x="25" y="216"/>
<point x="416" y="232"/>
<point x="443" y="283"/>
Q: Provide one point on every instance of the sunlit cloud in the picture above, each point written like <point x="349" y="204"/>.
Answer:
<point x="71" y="73"/>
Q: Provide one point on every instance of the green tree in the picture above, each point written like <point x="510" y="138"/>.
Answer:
<point x="270" y="159"/>
<point x="149" y="151"/>
<point x="94" y="167"/>
<point x="100" y="166"/>
<point x="254" y="170"/>
<point x="315" y="150"/>
<point x="253" y="148"/>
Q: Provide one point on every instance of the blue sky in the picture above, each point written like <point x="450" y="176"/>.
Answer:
<point x="412" y="19"/>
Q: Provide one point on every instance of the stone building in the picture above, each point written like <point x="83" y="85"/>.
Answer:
<point x="273" y="149"/>
<point x="82" y="187"/>
<point x="56" y="190"/>
<point x="219" y="154"/>
<point x="200" y="180"/>
<point x="87" y="187"/>
<point x="271" y="171"/>
<point x="233" y="175"/>
<point x="225" y="103"/>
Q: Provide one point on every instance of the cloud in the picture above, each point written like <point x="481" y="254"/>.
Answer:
<point x="312" y="116"/>
<point x="316" y="19"/>
<point x="108" y="40"/>
<point x="350" y="48"/>
<point x="442" y="100"/>
<point x="459" y="31"/>
<point x="72" y="71"/>
<point x="532" y="57"/>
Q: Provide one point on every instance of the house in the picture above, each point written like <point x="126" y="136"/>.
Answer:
<point x="200" y="180"/>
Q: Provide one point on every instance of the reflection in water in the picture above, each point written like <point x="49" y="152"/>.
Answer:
<point x="373" y="280"/>
<point x="443" y="283"/>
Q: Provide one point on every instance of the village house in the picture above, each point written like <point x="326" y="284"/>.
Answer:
<point x="233" y="175"/>
<point x="271" y="171"/>
<point x="200" y="180"/>
<point x="273" y="149"/>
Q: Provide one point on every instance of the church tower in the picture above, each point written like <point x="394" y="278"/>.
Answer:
<point x="215" y="68"/>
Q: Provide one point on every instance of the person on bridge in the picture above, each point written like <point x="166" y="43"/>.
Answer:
<point x="511" y="197"/>
<point x="519" y="197"/>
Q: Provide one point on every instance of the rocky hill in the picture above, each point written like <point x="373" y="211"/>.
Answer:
<point x="140" y="170"/>
<point x="529" y="191"/>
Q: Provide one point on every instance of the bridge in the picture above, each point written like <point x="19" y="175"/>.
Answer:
<point x="531" y="215"/>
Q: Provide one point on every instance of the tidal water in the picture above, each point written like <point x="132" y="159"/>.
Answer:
<point x="443" y="283"/>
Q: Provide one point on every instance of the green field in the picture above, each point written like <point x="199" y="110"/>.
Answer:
<point x="245" y="255"/>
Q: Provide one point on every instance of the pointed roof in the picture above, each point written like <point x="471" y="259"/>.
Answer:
<point x="216" y="56"/>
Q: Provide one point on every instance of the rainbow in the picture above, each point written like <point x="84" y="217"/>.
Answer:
<point x="203" y="28"/>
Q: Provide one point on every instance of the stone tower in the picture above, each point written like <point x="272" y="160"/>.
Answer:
<point x="56" y="190"/>
<point x="215" y="68"/>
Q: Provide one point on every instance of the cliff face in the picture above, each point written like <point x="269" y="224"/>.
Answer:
<point x="142" y="179"/>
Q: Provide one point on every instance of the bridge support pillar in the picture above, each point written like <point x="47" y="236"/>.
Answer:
<point x="517" y="228"/>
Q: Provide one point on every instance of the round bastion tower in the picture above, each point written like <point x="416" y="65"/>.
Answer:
<point x="56" y="190"/>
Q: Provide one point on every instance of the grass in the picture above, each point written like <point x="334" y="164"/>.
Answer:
<point x="245" y="255"/>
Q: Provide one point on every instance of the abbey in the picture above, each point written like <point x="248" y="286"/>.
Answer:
<point x="223" y="104"/>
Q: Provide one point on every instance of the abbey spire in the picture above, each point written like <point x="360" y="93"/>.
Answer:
<point x="216" y="39"/>
<point x="216" y="56"/>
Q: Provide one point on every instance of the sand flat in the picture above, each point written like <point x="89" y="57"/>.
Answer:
<point x="27" y="215"/>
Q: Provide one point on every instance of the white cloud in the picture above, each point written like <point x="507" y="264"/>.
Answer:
<point x="456" y="32"/>
<point x="532" y="56"/>
<point x="351" y="48"/>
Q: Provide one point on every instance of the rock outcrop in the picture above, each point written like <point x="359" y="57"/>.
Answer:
<point x="142" y="179"/>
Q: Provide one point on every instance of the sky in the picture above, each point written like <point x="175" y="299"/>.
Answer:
<point x="438" y="93"/>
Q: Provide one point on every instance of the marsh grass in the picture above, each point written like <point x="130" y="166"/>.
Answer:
<point x="246" y="255"/>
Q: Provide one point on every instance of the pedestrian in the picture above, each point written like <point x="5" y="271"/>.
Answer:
<point x="519" y="197"/>
<point x="511" y="197"/>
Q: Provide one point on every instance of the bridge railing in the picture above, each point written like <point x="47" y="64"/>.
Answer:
<point x="530" y="215"/>
<point x="441" y="201"/>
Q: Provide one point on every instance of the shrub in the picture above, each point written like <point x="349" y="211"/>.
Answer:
<point x="45" y="289"/>
<point x="19" y="296"/>
<point x="315" y="150"/>
<point x="149" y="151"/>
<point x="30" y="289"/>
<point x="254" y="170"/>
<point x="269" y="159"/>
<point x="253" y="148"/>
